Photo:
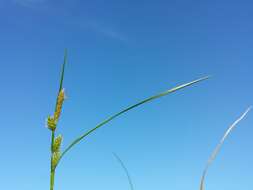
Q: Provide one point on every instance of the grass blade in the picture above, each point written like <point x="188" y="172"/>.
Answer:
<point x="63" y="69"/>
<point x="218" y="147"/>
<point x="126" y="170"/>
<point x="76" y="141"/>
<point x="62" y="73"/>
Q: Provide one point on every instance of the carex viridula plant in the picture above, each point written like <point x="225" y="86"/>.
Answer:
<point x="52" y="121"/>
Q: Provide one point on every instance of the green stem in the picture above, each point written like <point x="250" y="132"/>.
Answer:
<point x="52" y="170"/>
<point x="52" y="180"/>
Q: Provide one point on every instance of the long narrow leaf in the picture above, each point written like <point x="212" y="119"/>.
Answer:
<point x="125" y="170"/>
<point x="62" y="74"/>
<point x="218" y="147"/>
<point x="63" y="69"/>
<point x="76" y="141"/>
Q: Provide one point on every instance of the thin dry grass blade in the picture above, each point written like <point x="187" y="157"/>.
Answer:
<point x="218" y="147"/>
<point x="126" y="171"/>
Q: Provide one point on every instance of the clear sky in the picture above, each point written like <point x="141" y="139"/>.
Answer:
<point x="119" y="53"/>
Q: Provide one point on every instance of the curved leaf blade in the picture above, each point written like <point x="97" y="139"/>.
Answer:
<point x="76" y="141"/>
<point x="125" y="170"/>
<point x="218" y="147"/>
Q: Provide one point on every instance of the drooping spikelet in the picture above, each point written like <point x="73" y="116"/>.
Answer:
<point x="58" y="109"/>
<point x="55" y="159"/>
<point x="51" y="124"/>
<point x="57" y="143"/>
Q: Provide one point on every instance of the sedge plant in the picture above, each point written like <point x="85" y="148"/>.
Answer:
<point x="52" y="121"/>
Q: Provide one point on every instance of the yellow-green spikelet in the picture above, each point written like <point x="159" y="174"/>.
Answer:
<point x="58" y="109"/>
<point x="55" y="159"/>
<point x="57" y="143"/>
<point x="51" y="124"/>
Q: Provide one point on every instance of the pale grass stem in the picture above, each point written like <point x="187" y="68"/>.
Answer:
<point x="218" y="147"/>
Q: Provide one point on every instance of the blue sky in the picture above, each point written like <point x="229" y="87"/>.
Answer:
<point x="119" y="53"/>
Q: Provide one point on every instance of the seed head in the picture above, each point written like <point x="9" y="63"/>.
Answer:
<point x="51" y="124"/>
<point x="60" y="99"/>
<point x="55" y="159"/>
<point x="57" y="143"/>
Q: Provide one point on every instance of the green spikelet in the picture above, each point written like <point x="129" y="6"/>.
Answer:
<point x="51" y="124"/>
<point x="55" y="159"/>
<point x="60" y="99"/>
<point x="57" y="143"/>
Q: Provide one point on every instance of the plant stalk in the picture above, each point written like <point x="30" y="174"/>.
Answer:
<point x="52" y="170"/>
<point x="52" y="165"/>
<point x="52" y="180"/>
